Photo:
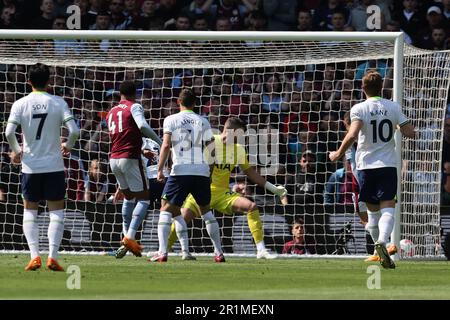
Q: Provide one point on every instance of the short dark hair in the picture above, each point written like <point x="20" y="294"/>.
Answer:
<point x="187" y="98"/>
<point x="299" y="221"/>
<point x="304" y="10"/>
<point x="235" y="123"/>
<point x="128" y="89"/>
<point x="103" y="13"/>
<point x="38" y="75"/>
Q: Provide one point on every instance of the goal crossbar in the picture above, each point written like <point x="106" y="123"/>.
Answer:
<point x="199" y="35"/>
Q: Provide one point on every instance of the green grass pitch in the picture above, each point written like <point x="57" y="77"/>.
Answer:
<point x="104" y="277"/>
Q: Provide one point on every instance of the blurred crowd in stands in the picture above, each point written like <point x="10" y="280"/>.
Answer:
<point x="425" y="22"/>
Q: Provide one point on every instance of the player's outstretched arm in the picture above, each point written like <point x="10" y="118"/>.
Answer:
<point x="164" y="154"/>
<point x="138" y="115"/>
<point x="408" y="130"/>
<point x="349" y="139"/>
<point x="254" y="176"/>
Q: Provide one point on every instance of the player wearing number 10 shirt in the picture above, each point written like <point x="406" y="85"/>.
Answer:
<point x="127" y="125"/>
<point x="373" y="123"/>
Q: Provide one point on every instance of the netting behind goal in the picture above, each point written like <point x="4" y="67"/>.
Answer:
<point x="297" y="91"/>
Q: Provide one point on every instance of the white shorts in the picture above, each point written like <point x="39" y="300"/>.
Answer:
<point x="130" y="174"/>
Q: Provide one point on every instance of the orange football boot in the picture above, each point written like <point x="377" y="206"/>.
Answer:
<point x="34" y="264"/>
<point x="53" y="265"/>
<point x="132" y="246"/>
<point x="392" y="249"/>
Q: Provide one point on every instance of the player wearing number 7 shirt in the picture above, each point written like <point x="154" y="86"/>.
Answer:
<point x="40" y="116"/>
<point x="373" y="123"/>
<point x="127" y="125"/>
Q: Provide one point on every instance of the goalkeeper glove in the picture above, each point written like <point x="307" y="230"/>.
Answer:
<point x="277" y="190"/>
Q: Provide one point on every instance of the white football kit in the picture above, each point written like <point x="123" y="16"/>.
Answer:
<point x="41" y="115"/>
<point x="152" y="164"/>
<point x="189" y="133"/>
<point x="376" y="144"/>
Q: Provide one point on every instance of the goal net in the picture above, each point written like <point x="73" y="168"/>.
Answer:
<point x="292" y="94"/>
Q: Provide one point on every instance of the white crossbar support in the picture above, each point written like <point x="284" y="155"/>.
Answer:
<point x="398" y="97"/>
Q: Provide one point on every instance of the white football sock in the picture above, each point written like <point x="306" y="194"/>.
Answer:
<point x="373" y="217"/>
<point x="213" y="231"/>
<point x="260" y="246"/>
<point x="164" y="223"/>
<point x="31" y="231"/>
<point x="55" y="232"/>
<point x="386" y="224"/>
<point x="182" y="233"/>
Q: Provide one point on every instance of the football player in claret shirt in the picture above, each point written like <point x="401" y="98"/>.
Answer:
<point x="127" y="125"/>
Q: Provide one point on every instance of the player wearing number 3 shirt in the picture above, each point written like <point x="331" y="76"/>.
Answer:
<point x="127" y="125"/>
<point x="373" y="123"/>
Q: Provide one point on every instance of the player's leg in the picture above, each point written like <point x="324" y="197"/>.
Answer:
<point x="244" y="205"/>
<point x="129" y="201"/>
<point x="188" y="216"/>
<point x="202" y="196"/>
<point x="30" y="184"/>
<point x="54" y="192"/>
<point x="362" y="213"/>
<point x="368" y="195"/>
<point x="133" y="183"/>
<point x="137" y="182"/>
<point x="180" y="226"/>
<point x="387" y="190"/>
<point x="174" y="193"/>
<point x="128" y="204"/>
<point x="188" y="212"/>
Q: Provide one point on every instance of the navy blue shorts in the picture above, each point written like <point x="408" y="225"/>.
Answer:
<point x="177" y="188"/>
<point x="156" y="190"/>
<point x="43" y="186"/>
<point x="377" y="185"/>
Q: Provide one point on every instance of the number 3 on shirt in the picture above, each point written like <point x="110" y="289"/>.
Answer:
<point x="112" y="124"/>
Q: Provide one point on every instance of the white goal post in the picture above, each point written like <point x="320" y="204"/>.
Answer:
<point x="419" y="78"/>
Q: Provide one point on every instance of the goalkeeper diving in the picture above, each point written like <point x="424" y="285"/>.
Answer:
<point x="230" y="154"/>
